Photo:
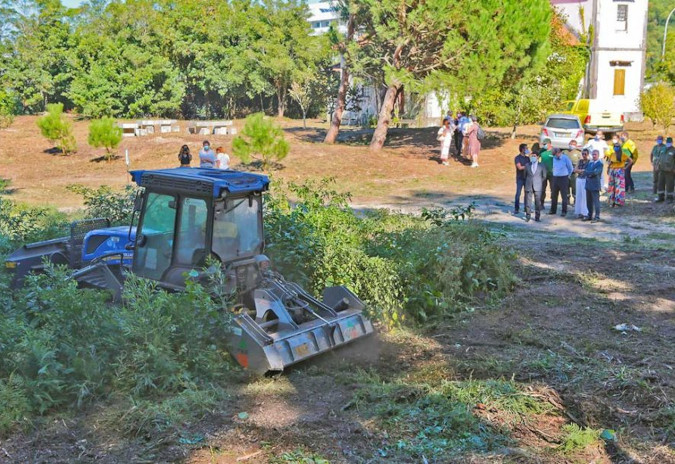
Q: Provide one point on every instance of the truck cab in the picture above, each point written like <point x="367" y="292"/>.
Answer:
<point x="189" y="215"/>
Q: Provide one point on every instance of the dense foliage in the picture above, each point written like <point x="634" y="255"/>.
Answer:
<point x="404" y="267"/>
<point x="542" y="88"/>
<point x="464" y="48"/>
<point x="658" y="68"/>
<point x="658" y="104"/>
<point x="159" y="57"/>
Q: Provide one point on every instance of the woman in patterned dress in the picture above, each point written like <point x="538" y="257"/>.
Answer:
<point x="618" y="161"/>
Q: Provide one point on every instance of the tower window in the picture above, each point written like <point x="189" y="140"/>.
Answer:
<point x="622" y="17"/>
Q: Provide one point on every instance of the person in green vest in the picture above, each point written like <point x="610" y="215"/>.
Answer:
<point x="657" y="151"/>
<point x="666" y="173"/>
<point x="546" y="156"/>
<point x="574" y="154"/>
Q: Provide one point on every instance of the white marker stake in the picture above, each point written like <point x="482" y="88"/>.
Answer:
<point x="126" y="158"/>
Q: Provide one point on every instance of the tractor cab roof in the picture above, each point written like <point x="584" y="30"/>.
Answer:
<point x="201" y="181"/>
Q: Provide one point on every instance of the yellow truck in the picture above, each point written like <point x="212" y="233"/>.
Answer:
<point x="595" y="115"/>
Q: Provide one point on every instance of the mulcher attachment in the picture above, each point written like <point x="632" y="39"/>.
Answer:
<point x="289" y="325"/>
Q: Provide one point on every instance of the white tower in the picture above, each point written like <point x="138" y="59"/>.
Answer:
<point x="618" y="54"/>
<point x="618" y="51"/>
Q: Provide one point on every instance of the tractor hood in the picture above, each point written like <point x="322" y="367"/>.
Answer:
<point x="204" y="181"/>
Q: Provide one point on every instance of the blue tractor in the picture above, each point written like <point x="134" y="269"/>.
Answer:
<point x="188" y="219"/>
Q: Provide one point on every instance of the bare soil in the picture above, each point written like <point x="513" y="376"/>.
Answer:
<point x="554" y="335"/>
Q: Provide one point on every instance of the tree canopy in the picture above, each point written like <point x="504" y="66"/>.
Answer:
<point x="173" y="58"/>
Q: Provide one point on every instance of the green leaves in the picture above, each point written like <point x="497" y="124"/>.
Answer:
<point x="260" y="136"/>
<point x="105" y="133"/>
<point x="658" y="104"/>
<point x="58" y="129"/>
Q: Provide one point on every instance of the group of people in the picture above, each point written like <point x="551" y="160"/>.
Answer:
<point x="207" y="157"/>
<point x="580" y="174"/>
<point x="467" y="134"/>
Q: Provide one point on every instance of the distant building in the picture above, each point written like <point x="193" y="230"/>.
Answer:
<point x="618" y="49"/>
<point x="322" y="15"/>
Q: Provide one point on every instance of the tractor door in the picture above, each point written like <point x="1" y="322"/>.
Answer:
<point x="172" y="237"/>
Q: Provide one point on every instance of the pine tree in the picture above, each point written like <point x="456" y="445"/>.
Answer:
<point x="105" y="133"/>
<point x="59" y="130"/>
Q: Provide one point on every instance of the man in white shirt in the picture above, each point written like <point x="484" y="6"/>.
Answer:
<point x="598" y="143"/>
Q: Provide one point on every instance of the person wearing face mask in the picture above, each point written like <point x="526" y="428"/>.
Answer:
<point x="562" y="170"/>
<point x="207" y="158"/>
<point x="521" y="160"/>
<point x="598" y="143"/>
<point x="654" y="157"/>
<point x="546" y="157"/>
<point x="580" y="208"/>
<point x="535" y="181"/>
<point x="667" y="173"/>
<point x="574" y="154"/>
<point x="629" y="146"/>
<point x="592" y="175"/>
<point x="617" y="176"/>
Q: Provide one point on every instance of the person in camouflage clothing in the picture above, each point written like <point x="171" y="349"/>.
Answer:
<point x="666" y="173"/>
<point x="657" y="151"/>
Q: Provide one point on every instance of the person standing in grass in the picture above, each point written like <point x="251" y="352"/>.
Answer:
<point x="521" y="160"/>
<point x="598" y="143"/>
<point x="207" y="158"/>
<point x="616" y="189"/>
<point x="667" y="172"/>
<point x="593" y="182"/>
<point x="629" y="146"/>
<point x="535" y="178"/>
<point x="658" y="150"/>
<point x="580" y="200"/>
<point x="445" y="137"/>
<point x="562" y="170"/>
<point x="473" y="140"/>
<point x="547" y="160"/>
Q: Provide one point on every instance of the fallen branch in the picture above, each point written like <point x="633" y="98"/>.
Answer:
<point x="249" y="456"/>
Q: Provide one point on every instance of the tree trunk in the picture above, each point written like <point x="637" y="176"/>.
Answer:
<point x="336" y="120"/>
<point x="304" y="118"/>
<point x="281" y="100"/>
<point x="332" y="133"/>
<point x="384" y="118"/>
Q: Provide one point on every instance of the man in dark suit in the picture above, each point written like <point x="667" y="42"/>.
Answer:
<point x="535" y="181"/>
<point x="593" y="174"/>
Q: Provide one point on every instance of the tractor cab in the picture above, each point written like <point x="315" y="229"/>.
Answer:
<point x="190" y="214"/>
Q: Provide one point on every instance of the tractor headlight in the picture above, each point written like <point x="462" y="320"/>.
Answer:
<point x="10" y="264"/>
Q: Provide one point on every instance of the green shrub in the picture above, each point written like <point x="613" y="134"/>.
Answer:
<point x="401" y="266"/>
<point x="658" y="104"/>
<point x="262" y="137"/>
<point x="7" y="109"/>
<point x="104" y="202"/>
<point x="21" y="223"/>
<point x="105" y="133"/>
<point x="59" y="130"/>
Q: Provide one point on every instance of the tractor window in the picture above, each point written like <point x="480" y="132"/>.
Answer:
<point x="191" y="246"/>
<point x="237" y="229"/>
<point x="155" y="242"/>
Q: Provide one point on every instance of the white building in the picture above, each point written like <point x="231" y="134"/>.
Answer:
<point x="322" y="15"/>
<point x="618" y="49"/>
